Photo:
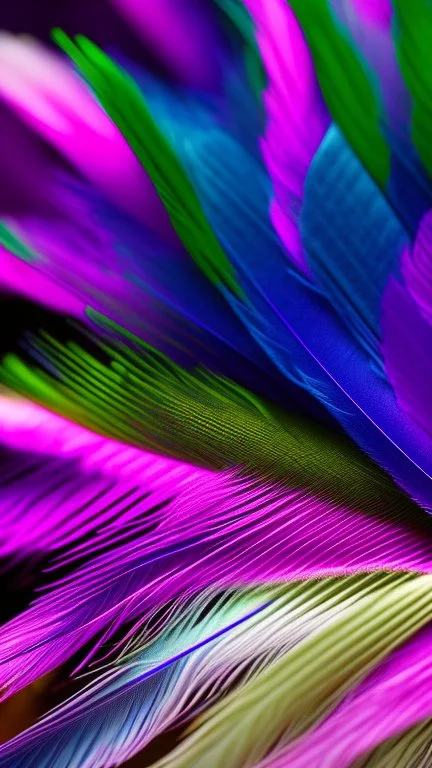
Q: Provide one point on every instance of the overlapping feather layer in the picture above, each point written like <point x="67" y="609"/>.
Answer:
<point x="216" y="423"/>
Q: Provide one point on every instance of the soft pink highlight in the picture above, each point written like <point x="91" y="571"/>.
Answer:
<point x="20" y="277"/>
<point x="55" y="103"/>
<point x="297" y="118"/>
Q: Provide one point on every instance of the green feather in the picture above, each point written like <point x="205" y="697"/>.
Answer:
<point x="125" y="104"/>
<point x="411" y="749"/>
<point x="15" y="245"/>
<point x="345" y="85"/>
<point x="413" y="38"/>
<point x="141" y="397"/>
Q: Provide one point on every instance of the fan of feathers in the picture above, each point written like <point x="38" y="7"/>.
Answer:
<point x="216" y="384"/>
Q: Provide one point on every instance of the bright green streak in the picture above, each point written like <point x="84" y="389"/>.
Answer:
<point x="145" y="399"/>
<point x="345" y="86"/>
<point x="16" y="246"/>
<point x="124" y="103"/>
<point x="413" y="39"/>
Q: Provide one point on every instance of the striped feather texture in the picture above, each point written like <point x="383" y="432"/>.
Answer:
<point x="215" y="420"/>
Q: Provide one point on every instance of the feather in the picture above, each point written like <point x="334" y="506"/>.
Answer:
<point x="376" y="12"/>
<point x="407" y="338"/>
<point x="292" y="534"/>
<point x="392" y="444"/>
<point x="167" y="173"/>
<point x="56" y="104"/>
<point x="412" y="32"/>
<point x="341" y="71"/>
<point x="20" y="277"/>
<point x="386" y="437"/>
<point x="303" y="336"/>
<point x="107" y="264"/>
<point x="269" y="708"/>
<point x="25" y="163"/>
<point x="74" y="484"/>
<point x="145" y="384"/>
<point x="394" y="697"/>
<point x="416" y="268"/>
<point x="28" y="428"/>
<point x="351" y="256"/>
<point x="191" y="664"/>
<point x="215" y="543"/>
<point x="103" y="272"/>
<point x="292" y="102"/>
<point x="140" y="574"/>
<point x="413" y="748"/>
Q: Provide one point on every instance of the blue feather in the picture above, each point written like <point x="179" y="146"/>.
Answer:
<point x="295" y="324"/>
<point x="352" y="237"/>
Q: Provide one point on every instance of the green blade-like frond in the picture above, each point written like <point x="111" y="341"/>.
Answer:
<point x="125" y="104"/>
<point x="345" y="85"/>
<point x="413" y="38"/>
<point x="143" y="398"/>
<point x="14" y="244"/>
